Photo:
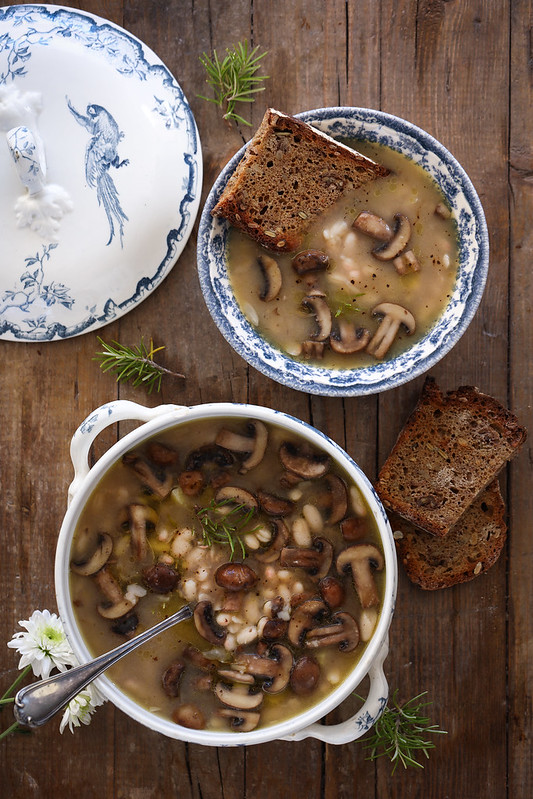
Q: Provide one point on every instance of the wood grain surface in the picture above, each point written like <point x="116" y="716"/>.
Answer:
<point x="462" y="70"/>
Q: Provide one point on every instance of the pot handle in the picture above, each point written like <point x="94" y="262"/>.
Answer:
<point x="98" y="420"/>
<point x="366" y="716"/>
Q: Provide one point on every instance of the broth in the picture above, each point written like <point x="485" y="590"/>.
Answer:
<point x="281" y="616"/>
<point x="356" y="282"/>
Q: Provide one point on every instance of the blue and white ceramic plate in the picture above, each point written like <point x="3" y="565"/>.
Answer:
<point x="100" y="173"/>
<point x="375" y="126"/>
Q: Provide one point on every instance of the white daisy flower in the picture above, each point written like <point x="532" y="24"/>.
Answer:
<point x="80" y="709"/>
<point x="44" y="645"/>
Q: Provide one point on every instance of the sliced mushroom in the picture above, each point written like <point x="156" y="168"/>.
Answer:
<point x="191" y="483"/>
<point x="255" y="444"/>
<point x="160" y="578"/>
<point x="234" y="495"/>
<point x="209" y="456"/>
<point x="264" y="668"/>
<point x="303" y="461"/>
<point x="243" y="721"/>
<point x="317" y="304"/>
<point x="305" y="676"/>
<point x="194" y="656"/>
<point x="348" y="338"/>
<point x="115" y="604"/>
<point x="334" y="502"/>
<point x="406" y="263"/>
<point x="304" y="617"/>
<point x="235" y="577"/>
<point x="154" y="477"/>
<point x="188" y="715"/>
<point x="362" y="560"/>
<point x="127" y="624"/>
<point x="310" y="261"/>
<point x="393" y="247"/>
<point x="278" y="541"/>
<point x="98" y="559"/>
<point x="206" y="625"/>
<point x="316" y="560"/>
<point x="140" y="516"/>
<point x="260" y="437"/>
<point x="373" y="225"/>
<point x="161" y="455"/>
<point x="233" y="675"/>
<point x="332" y="591"/>
<point x="171" y="678"/>
<point x="238" y="695"/>
<point x="284" y="660"/>
<point x="353" y="528"/>
<point x="442" y="210"/>
<point x="274" y="629"/>
<point x="272" y="280"/>
<point x="312" y="349"/>
<point x="273" y="505"/>
<point x="393" y="316"/>
<point x="342" y="632"/>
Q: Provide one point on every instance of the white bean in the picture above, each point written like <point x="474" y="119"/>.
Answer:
<point x="264" y="535"/>
<point x="295" y="494"/>
<point x="166" y="558"/>
<point x="247" y="635"/>
<point x="284" y="575"/>
<point x="251" y="541"/>
<point x="367" y="623"/>
<point x="261" y="625"/>
<point x="301" y="534"/>
<point x="285" y="594"/>
<point x="313" y="518"/>
<point x="358" y="505"/>
<point x="223" y="619"/>
<point x="188" y="589"/>
<point x="251" y="609"/>
<point x="229" y="643"/>
<point x="202" y="574"/>
<point x="180" y="547"/>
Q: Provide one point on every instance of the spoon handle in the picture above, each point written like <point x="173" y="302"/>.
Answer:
<point x="37" y="703"/>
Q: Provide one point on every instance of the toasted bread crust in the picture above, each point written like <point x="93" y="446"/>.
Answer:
<point x="288" y="175"/>
<point x="451" y="447"/>
<point x="470" y="548"/>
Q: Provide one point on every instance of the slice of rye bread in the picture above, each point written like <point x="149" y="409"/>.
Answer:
<point x="451" y="447"/>
<point x="288" y="175"/>
<point x="471" y="547"/>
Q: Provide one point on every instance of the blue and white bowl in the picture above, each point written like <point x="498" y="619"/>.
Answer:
<point x="375" y="126"/>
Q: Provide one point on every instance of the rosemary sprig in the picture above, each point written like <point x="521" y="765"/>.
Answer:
<point x="227" y="528"/>
<point x="400" y="732"/>
<point x="233" y="79"/>
<point x="135" y="364"/>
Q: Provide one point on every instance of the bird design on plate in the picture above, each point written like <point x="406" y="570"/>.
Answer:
<point x="102" y="154"/>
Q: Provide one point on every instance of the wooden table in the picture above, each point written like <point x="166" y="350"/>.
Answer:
<point x="462" y="71"/>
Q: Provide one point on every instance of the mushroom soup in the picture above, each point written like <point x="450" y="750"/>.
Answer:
<point x="375" y="273"/>
<point x="270" y="541"/>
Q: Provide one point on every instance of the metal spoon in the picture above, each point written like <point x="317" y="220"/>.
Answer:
<point x="37" y="703"/>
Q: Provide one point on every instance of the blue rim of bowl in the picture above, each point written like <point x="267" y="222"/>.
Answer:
<point x="350" y="122"/>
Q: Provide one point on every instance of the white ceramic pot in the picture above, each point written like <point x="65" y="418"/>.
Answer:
<point x="156" y="421"/>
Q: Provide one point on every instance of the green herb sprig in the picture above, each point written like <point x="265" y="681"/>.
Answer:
<point x="400" y="732"/>
<point x="227" y="528"/>
<point x="233" y="78"/>
<point x="135" y="364"/>
<point x="347" y="307"/>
